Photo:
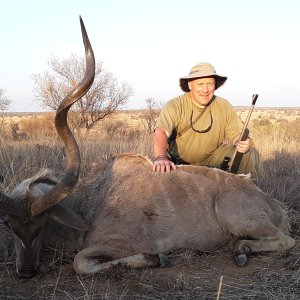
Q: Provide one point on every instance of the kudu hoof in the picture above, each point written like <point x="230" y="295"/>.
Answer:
<point x="164" y="260"/>
<point x="241" y="256"/>
<point x="241" y="259"/>
<point x="27" y="274"/>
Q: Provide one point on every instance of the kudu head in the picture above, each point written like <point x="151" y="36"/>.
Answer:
<point x="30" y="204"/>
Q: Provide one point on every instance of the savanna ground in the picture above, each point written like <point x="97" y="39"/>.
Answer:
<point x="29" y="143"/>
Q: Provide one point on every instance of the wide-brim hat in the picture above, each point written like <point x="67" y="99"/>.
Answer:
<point x="199" y="71"/>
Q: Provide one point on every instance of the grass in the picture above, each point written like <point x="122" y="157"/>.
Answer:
<point x="193" y="275"/>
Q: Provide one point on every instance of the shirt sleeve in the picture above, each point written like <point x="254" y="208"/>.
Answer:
<point x="168" y="117"/>
<point x="234" y="124"/>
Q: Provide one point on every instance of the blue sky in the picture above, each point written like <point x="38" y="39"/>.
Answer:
<point x="152" y="43"/>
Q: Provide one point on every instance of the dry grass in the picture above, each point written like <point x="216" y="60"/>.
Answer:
<point x="193" y="275"/>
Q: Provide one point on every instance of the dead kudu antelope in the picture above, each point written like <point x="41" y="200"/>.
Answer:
<point x="134" y="216"/>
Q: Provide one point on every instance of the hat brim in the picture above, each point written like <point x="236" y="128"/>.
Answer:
<point x="183" y="82"/>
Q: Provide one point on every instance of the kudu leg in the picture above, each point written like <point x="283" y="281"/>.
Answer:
<point x="92" y="260"/>
<point x="249" y="218"/>
<point x="279" y="242"/>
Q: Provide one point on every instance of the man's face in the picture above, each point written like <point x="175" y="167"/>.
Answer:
<point x="202" y="90"/>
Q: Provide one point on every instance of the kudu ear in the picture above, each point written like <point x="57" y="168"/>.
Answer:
<point x="68" y="218"/>
<point x="13" y="208"/>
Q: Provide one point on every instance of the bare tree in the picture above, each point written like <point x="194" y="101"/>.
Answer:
<point x="4" y="102"/>
<point x="150" y="114"/>
<point x="4" y="105"/>
<point x="105" y="96"/>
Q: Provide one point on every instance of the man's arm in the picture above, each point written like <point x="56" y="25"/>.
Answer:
<point x="160" y="143"/>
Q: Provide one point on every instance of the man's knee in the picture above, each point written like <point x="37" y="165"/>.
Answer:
<point x="250" y="164"/>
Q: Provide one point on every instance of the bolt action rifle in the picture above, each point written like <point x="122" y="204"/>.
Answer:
<point x="232" y="164"/>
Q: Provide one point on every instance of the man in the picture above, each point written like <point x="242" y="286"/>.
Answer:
<point x="199" y="127"/>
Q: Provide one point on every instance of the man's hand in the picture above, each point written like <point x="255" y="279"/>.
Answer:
<point x="245" y="146"/>
<point x="163" y="164"/>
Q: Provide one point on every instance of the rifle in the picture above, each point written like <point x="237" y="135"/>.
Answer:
<point x="237" y="156"/>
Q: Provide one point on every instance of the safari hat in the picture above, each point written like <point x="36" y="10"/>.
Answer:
<point x="199" y="71"/>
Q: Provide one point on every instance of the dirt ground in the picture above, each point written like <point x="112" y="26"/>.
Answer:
<point x="191" y="276"/>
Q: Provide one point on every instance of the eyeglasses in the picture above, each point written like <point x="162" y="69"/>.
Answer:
<point x="209" y="86"/>
<point x="193" y="122"/>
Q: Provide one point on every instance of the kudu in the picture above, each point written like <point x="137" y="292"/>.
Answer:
<point x="125" y="213"/>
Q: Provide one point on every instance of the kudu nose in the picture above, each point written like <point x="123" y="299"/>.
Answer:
<point x="27" y="274"/>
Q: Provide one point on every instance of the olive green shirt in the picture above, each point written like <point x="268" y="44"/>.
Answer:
<point x="191" y="146"/>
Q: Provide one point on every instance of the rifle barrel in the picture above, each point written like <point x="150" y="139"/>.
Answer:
<point x="237" y="156"/>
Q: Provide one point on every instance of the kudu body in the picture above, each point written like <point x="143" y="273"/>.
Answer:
<point x="125" y="213"/>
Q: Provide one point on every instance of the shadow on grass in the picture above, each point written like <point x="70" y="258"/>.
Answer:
<point x="280" y="177"/>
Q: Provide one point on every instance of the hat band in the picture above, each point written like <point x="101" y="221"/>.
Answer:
<point x="197" y="71"/>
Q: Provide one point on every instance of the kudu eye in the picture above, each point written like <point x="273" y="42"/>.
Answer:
<point x="5" y="223"/>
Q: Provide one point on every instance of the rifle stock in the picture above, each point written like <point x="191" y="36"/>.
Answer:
<point x="237" y="156"/>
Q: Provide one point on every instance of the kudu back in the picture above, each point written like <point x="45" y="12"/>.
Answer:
<point x="124" y="213"/>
